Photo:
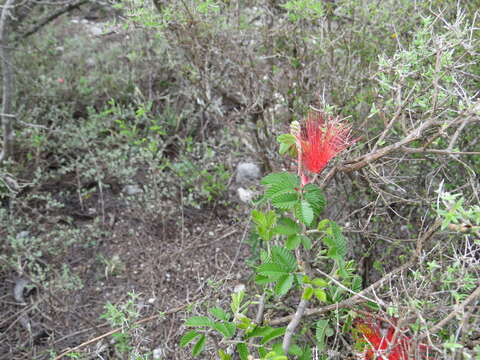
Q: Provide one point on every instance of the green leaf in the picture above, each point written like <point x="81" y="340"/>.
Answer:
<point x="188" y="337"/>
<point x="295" y="350"/>
<point x="198" y="321"/>
<point x="219" y="313"/>
<point x="287" y="139"/>
<point x="223" y="355"/>
<point x="314" y="196"/>
<point x="320" y="282"/>
<point x="226" y="329"/>
<point x="272" y="271"/>
<point x="320" y="329"/>
<point x="280" y="183"/>
<point x="260" y="331"/>
<point x="320" y="294"/>
<point x="237" y="298"/>
<point x="284" y="257"/>
<point x="262" y="280"/>
<point x="307" y="354"/>
<point x="293" y="241"/>
<point x="198" y="348"/>
<point x="306" y="242"/>
<point x="304" y="212"/>
<point x="273" y="335"/>
<point x="283" y="285"/>
<point x="307" y="293"/>
<point x="242" y="351"/>
<point x="285" y="201"/>
<point x="287" y="226"/>
<point x="285" y="178"/>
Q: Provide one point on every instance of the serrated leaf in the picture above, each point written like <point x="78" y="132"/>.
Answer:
<point x="242" y="351"/>
<point x="279" y="183"/>
<point x="335" y="241"/>
<point x="293" y="241"/>
<point x="304" y="212"/>
<point x="272" y="271"/>
<point x="286" y="178"/>
<point x="219" y="313"/>
<point x="307" y="293"/>
<point x="188" y="337"/>
<point x="314" y="196"/>
<point x="284" y="257"/>
<point x="320" y="294"/>
<point x="272" y="335"/>
<point x="283" y="285"/>
<point x="286" y="226"/>
<point x="198" y="348"/>
<point x="226" y="329"/>
<point x="320" y="329"/>
<point x="285" y="201"/>
<point x="198" y="321"/>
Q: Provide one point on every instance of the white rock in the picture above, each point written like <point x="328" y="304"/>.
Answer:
<point x="157" y="353"/>
<point x="239" y="287"/>
<point x="247" y="173"/>
<point x="132" y="189"/>
<point x="23" y="234"/>
<point x="245" y="195"/>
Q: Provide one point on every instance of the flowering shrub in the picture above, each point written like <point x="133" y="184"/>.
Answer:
<point x="286" y="242"/>
<point x="388" y="343"/>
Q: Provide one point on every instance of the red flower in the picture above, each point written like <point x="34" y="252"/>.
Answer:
<point x="384" y="344"/>
<point x="320" y="139"/>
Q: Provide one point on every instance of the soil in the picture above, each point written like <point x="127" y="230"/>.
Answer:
<point x="175" y="265"/>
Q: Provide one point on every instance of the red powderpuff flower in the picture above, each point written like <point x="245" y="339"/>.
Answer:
<point x="320" y="139"/>
<point x="384" y="344"/>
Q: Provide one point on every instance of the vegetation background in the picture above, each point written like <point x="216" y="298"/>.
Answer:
<point x="123" y="124"/>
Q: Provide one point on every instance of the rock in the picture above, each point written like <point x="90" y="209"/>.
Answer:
<point x="23" y="234"/>
<point x="132" y="190"/>
<point x="247" y="173"/>
<point x="158" y="353"/>
<point x="245" y="195"/>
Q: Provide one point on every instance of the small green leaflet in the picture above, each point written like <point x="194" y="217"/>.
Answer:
<point x="286" y="226"/>
<point x="285" y="201"/>
<point x="188" y="337"/>
<point x="197" y="349"/>
<point x="320" y="333"/>
<point x="226" y="329"/>
<point x="284" y="257"/>
<point x="283" y="285"/>
<point x="293" y="241"/>
<point x="276" y="332"/>
<point x="280" y="183"/>
<point x="272" y="271"/>
<point x="223" y="355"/>
<point x="307" y="293"/>
<point x="304" y="212"/>
<point x="314" y="196"/>
<point x="219" y="313"/>
<point x="242" y="351"/>
<point x="199" y="321"/>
